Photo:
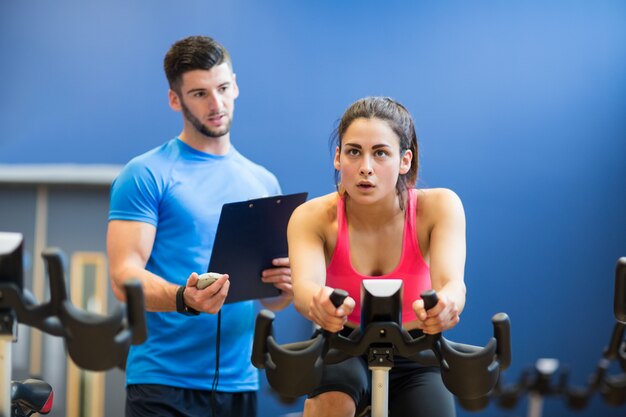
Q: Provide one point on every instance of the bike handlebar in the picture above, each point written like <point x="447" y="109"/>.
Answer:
<point x="470" y="372"/>
<point x="619" y="303"/>
<point x="95" y="342"/>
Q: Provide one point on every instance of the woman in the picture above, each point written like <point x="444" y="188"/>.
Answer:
<point x="377" y="225"/>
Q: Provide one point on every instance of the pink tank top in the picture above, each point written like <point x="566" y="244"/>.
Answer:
<point x="412" y="269"/>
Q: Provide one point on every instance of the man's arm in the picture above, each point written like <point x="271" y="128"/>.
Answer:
<point x="129" y="244"/>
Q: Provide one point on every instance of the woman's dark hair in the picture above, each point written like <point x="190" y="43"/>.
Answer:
<point x="193" y="53"/>
<point x="400" y="121"/>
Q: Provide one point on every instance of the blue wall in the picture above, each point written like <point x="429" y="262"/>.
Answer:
<point x="519" y="107"/>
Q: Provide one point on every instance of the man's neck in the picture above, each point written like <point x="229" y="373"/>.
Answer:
<point x="202" y="143"/>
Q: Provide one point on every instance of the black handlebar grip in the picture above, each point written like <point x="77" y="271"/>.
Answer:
<point x="502" y="334"/>
<point x="430" y="299"/>
<point x="619" y="305"/>
<point x="262" y="330"/>
<point x="337" y="297"/>
<point x="136" y="312"/>
<point x="53" y="259"/>
<point x="612" y="351"/>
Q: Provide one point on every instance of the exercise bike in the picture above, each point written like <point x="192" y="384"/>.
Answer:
<point x="94" y="342"/>
<point x="30" y="396"/>
<point x="547" y="378"/>
<point x="469" y="372"/>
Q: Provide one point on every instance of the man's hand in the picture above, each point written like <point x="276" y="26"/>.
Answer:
<point x="210" y="299"/>
<point x="279" y="276"/>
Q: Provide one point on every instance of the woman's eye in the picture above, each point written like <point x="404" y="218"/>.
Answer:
<point x="353" y="152"/>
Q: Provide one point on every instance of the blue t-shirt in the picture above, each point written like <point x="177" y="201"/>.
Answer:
<point x="181" y="191"/>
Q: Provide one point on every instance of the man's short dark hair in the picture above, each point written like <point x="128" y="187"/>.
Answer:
<point x="193" y="53"/>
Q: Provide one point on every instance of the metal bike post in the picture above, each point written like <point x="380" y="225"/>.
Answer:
<point x="8" y="328"/>
<point x="545" y="368"/>
<point x="380" y="362"/>
<point x="535" y="404"/>
<point x="380" y="391"/>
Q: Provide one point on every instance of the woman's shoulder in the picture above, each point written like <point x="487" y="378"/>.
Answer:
<point x="318" y="209"/>
<point x="431" y="201"/>
<point x="437" y="195"/>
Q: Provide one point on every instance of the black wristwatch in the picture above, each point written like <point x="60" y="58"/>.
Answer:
<point x="181" y="307"/>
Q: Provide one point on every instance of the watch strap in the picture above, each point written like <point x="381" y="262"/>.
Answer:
<point x="181" y="307"/>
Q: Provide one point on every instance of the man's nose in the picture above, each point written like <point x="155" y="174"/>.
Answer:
<point x="215" y="103"/>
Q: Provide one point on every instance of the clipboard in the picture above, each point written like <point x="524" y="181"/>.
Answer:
<point x="249" y="235"/>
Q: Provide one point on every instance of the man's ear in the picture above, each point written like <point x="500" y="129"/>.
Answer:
<point x="235" y="86"/>
<point x="174" y="100"/>
<point x="336" y="163"/>
<point x="405" y="161"/>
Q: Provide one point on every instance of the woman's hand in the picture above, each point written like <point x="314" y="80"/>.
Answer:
<point x="325" y="314"/>
<point x="443" y="316"/>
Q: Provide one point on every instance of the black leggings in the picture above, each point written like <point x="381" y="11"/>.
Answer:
<point x="414" y="390"/>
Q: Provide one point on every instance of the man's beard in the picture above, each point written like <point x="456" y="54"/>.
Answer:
<point x="200" y="127"/>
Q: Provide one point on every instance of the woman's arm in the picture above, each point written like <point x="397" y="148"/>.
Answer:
<point x="308" y="268"/>
<point x="447" y="261"/>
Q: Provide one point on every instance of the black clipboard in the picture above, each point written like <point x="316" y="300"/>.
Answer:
<point x="249" y="235"/>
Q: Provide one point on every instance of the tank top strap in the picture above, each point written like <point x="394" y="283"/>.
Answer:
<point x="410" y="225"/>
<point x="342" y="246"/>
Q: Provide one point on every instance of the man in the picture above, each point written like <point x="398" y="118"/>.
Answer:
<point x="165" y="206"/>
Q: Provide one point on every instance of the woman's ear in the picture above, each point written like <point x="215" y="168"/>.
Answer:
<point x="405" y="161"/>
<point x="336" y="162"/>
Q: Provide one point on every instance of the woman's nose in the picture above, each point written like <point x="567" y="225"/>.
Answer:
<point x="366" y="169"/>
